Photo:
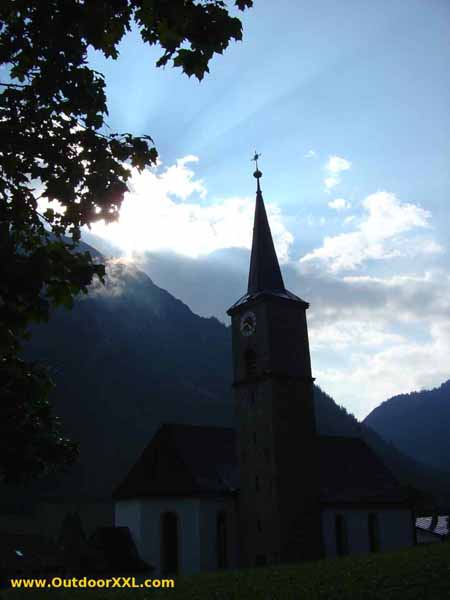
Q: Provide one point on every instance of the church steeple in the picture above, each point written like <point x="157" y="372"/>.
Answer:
<point x="264" y="278"/>
<point x="264" y="274"/>
<point x="279" y="512"/>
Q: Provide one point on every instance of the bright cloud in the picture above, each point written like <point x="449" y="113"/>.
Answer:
<point x="388" y="335"/>
<point x="179" y="180"/>
<point x="334" y="167"/>
<point x="311" y="154"/>
<point x="372" y="377"/>
<point x="167" y="210"/>
<point x="331" y="182"/>
<point x="336" y="164"/>
<point x="378" y="236"/>
<point x="345" y="335"/>
<point x="371" y="337"/>
<point x="339" y="204"/>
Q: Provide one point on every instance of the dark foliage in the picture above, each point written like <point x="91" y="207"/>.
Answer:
<point x="55" y="144"/>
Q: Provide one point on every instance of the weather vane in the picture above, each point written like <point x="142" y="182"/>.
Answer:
<point x="257" y="173"/>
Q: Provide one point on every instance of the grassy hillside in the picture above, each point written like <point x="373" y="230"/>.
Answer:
<point x="417" y="573"/>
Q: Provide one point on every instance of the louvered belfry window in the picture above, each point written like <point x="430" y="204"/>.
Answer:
<point x="250" y="362"/>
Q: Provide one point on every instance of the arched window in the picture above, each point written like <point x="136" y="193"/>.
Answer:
<point x="221" y="526"/>
<point x="250" y="362"/>
<point x="374" y="533"/>
<point x="169" y="543"/>
<point x="341" y="535"/>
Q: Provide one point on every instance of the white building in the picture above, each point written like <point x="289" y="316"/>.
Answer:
<point x="180" y="500"/>
<point x="202" y="498"/>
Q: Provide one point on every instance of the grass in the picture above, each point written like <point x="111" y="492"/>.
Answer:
<point x="418" y="573"/>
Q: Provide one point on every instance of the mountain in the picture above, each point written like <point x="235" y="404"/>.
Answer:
<point x="130" y="356"/>
<point x="418" y="424"/>
<point x="126" y="358"/>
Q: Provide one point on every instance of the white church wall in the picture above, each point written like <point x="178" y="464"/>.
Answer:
<point x="128" y="514"/>
<point x="394" y="525"/>
<point x="396" y="529"/>
<point x="143" y="517"/>
<point x="209" y="510"/>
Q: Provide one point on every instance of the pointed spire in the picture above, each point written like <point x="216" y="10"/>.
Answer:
<point x="265" y="274"/>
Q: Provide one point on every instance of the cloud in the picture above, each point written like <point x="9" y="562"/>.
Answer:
<point x="372" y="377"/>
<point x="336" y="164"/>
<point x="311" y="154"/>
<point x="371" y="337"/>
<point x="339" y="204"/>
<point x="374" y="337"/>
<point x="378" y="237"/>
<point x="331" y="182"/>
<point x="334" y="167"/>
<point x="179" y="181"/>
<point x="168" y="209"/>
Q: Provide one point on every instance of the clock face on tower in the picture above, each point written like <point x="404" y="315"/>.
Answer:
<point x="248" y="323"/>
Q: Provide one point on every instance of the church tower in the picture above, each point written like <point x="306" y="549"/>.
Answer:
<point x="279" y="513"/>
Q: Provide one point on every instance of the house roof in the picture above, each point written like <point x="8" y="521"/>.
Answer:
<point x="439" y="527"/>
<point x="188" y="460"/>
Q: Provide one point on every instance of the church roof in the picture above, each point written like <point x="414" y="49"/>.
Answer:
<point x="184" y="460"/>
<point x="188" y="460"/>
<point x="350" y="471"/>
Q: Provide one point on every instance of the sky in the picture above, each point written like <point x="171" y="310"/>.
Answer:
<point x="348" y="105"/>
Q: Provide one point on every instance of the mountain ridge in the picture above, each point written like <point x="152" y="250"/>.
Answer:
<point x="411" y="420"/>
<point x="128" y="357"/>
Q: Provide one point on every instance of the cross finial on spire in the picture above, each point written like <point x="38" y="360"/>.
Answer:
<point x="257" y="173"/>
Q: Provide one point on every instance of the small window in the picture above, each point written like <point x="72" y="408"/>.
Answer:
<point x="257" y="483"/>
<point x="341" y="535"/>
<point x="222" y="554"/>
<point x="254" y="438"/>
<point x="374" y="533"/>
<point x="259" y="525"/>
<point x="169" y="543"/>
<point x="267" y="454"/>
<point x="250" y="362"/>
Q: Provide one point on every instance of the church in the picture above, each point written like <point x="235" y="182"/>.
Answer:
<point x="271" y="490"/>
